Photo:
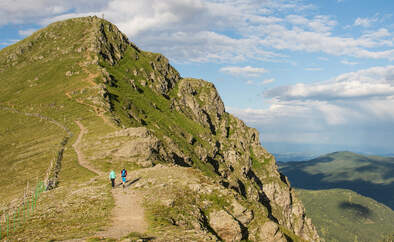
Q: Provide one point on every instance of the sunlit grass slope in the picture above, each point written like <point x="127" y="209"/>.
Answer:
<point x="343" y="215"/>
<point x="49" y="74"/>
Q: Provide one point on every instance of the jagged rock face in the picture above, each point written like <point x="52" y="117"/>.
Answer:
<point x="200" y="101"/>
<point x="163" y="77"/>
<point x="111" y="43"/>
<point x="224" y="145"/>
<point x="165" y="119"/>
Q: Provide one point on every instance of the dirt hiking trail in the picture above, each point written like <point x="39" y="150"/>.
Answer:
<point x="128" y="215"/>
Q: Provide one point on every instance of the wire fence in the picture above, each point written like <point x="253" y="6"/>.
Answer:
<point x="18" y="215"/>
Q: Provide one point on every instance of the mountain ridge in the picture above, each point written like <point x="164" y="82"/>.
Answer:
<point x="141" y="114"/>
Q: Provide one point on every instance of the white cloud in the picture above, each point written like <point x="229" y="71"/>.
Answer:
<point x="298" y="39"/>
<point x="267" y="81"/>
<point x="313" y="69"/>
<point x="26" y="32"/>
<point x="32" y="11"/>
<point x="377" y="82"/>
<point x="355" y="108"/>
<point x="212" y="30"/>
<point x="346" y="62"/>
<point x="323" y="58"/>
<point x="261" y="83"/>
<point x="247" y="70"/>
<point x="364" y="22"/>
<point x="9" y="42"/>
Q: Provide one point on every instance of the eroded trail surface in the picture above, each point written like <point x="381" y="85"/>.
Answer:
<point x="81" y="158"/>
<point x="128" y="214"/>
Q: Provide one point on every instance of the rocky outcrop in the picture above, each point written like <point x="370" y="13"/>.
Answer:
<point x="163" y="76"/>
<point x="111" y="43"/>
<point x="136" y="145"/>
<point x="200" y="101"/>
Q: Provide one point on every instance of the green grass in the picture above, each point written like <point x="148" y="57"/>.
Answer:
<point x="36" y="82"/>
<point x="68" y="212"/>
<point x="343" y="215"/>
<point x="26" y="153"/>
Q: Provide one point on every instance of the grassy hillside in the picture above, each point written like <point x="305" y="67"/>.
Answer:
<point x="370" y="176"/>
<point x="343" y="215"/>
<point x="41" y="79"/>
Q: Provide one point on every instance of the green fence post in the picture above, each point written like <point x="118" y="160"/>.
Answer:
<point x="24" y="211"/>
<point x="32" y="204"/>
<point x="14" y="221"/>
<point x="27" y="208"/>
<point x="7" y="219"/>
<point x="35" y="199"/>
<point x="19" y="216"/>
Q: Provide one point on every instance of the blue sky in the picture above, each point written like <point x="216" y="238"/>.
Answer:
<point x="308" y="73"/>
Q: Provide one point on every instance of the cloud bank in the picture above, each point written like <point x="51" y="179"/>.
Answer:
<point x="353" y="108"/>
<point x="212" y="30"/>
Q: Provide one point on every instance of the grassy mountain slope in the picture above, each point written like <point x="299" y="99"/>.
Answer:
<point x="370" y="176"/>
<point x="343" y="215"/>
<point x="37" y="76"/>
<point x="201" y="172"/>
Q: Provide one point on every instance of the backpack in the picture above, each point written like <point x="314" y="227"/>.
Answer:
<point x="124" y="173"/>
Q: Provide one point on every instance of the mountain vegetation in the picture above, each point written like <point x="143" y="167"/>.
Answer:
<point x="370" y="176"/>
<point x="343" y="215"/>
<point x="330" y="187"/>
<point x="79" y="99"/>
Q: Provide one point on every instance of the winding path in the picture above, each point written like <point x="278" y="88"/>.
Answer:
<point x="81" y="158"/>
<point x="127" y="215"/>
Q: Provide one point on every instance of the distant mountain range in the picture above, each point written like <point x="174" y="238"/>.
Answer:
<point x="371" y="176"/>
<point x="293" y="157"/>
<point x="305" y="156"/>
<point x="341" y="213"/>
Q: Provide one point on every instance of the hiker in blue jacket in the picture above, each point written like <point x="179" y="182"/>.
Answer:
<point x="123" y="174"/>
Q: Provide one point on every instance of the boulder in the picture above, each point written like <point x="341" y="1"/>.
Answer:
<point x="225" y="226"/>
<point x="270" y="232"/>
